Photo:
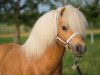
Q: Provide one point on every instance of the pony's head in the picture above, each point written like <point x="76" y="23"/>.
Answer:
<point x="65" y="23"/>
<point x="71" y="28"/>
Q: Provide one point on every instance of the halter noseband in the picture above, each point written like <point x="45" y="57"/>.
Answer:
<point x="67" y="41"/>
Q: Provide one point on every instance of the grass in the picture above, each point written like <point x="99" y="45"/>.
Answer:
<point x="6" y="29"/>
<point x="89" y="63"/>
<point x="11" y="39"/>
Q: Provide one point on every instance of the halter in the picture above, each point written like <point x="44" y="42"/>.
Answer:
<point x="67" y="41"/>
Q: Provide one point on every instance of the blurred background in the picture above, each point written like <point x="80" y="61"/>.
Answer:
<point x="17" y="17"/>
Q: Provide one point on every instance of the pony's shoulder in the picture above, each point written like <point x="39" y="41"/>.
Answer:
<point x="8" y="49"/>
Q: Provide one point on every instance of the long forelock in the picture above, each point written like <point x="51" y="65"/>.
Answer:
<point x="75" y="20"/>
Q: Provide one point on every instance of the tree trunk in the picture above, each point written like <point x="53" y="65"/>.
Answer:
<point x="17" y="22"/>
<point x="17" y="33"/>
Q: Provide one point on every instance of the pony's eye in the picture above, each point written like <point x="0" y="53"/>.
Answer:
<point x="64" y="28"/>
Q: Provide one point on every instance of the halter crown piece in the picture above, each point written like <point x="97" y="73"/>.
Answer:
<point x="70" y="38"/>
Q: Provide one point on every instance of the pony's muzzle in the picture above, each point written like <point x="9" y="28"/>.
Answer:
<point x="80" y="50"/>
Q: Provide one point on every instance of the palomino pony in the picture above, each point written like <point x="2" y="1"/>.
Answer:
<point x="42" y="53"/>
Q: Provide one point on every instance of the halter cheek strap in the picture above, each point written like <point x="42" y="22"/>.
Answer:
<point x="60" y="40"/>
<point x="70" y="38"/>
<point x="67" y="41"/>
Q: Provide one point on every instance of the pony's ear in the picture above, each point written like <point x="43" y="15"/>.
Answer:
<point x="62" y="11"/>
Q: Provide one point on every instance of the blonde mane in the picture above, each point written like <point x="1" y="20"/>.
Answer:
<point x="45" y="30"/>
<point x="43" y="35"/>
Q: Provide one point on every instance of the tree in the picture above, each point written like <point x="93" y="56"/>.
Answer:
<point x="19" y="12"/>
<point x="92" y="12"/>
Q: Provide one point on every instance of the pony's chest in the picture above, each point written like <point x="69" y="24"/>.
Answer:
<point x="48" y="63"/>
<point x="43" y="69"/>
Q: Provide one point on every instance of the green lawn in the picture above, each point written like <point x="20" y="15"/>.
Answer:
<point x="11" y="39"/>
<point x="89" y="63"/>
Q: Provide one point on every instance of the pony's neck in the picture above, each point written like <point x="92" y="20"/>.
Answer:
<point x="52" y="58"/>
<point x="56" y="50"/>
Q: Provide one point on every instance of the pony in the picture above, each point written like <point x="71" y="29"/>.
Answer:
<point x="42" y="53"/>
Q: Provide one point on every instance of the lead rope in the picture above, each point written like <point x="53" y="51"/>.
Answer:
<point x="76" y="66"/>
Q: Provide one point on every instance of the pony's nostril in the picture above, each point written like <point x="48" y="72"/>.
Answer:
<point x="79" y="48"/>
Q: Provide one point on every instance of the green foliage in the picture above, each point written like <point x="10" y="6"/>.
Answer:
<point x="20" y="11"/>
<point x="92" y="12"/>
<point x="27" y="12"/>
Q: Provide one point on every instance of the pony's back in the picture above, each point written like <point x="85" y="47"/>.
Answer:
<point x="5" y="49"/>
